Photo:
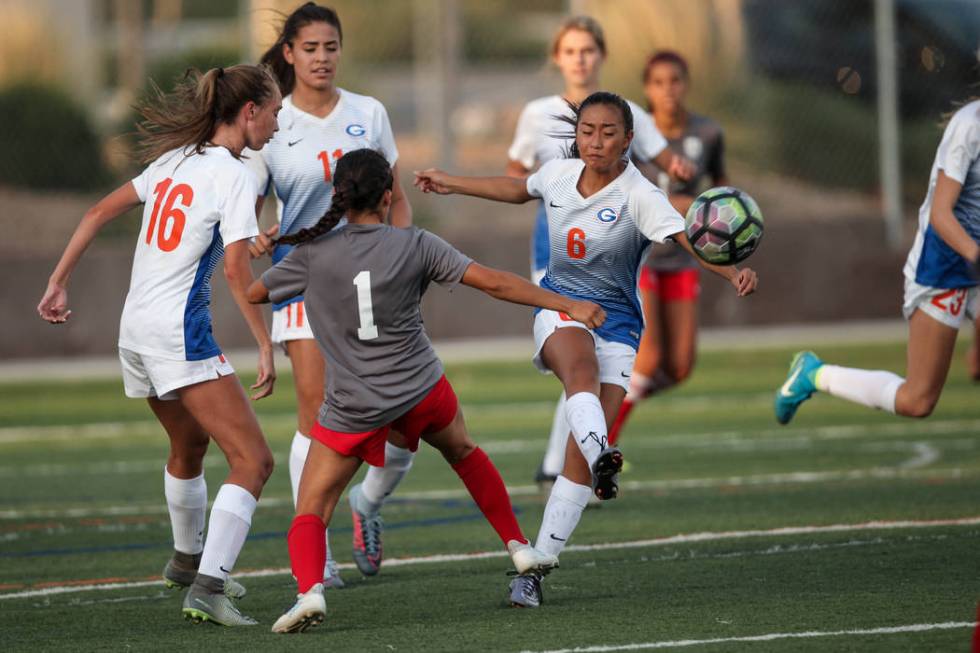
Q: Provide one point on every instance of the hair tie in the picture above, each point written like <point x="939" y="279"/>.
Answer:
<point x="221" y="72"/>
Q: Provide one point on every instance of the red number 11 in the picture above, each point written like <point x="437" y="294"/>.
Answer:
<point x="326" y="162"/>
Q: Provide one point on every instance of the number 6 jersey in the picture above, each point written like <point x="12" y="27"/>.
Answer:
<point x="362" y="286"/>
<point x="598" y="242"/>
<point x="193" y="206"/>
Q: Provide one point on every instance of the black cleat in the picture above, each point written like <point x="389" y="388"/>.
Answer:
<point x="605" y="473"/>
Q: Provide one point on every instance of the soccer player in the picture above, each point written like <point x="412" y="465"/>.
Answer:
<point x="602" y="215"/>
<point x="670" y="279"/>
<point x="578" y="50"/>
<point x="941" y="274"/>
<point x="321" y="121"/>
<point x="199" y="201"/>
<point x="365" y="282"/>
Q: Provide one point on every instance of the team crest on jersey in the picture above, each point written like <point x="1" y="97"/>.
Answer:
<point x="355" y="130"/>
<point x="607" y="215"/>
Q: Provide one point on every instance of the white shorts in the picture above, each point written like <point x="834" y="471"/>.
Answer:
<point x="949" y="306"/>
<point x="615" y="358"/>
<point x="290" y="323"/>
<point x="152" y="376"/>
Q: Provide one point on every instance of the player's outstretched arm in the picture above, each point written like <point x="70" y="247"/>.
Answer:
<point x="744" y="280"/>
<point x="945" y="223"/>
<point x="238" y="273"/>
<point x="512" y="288"/>
<point x="54" y="304"/>
<point x="500" y="189"/>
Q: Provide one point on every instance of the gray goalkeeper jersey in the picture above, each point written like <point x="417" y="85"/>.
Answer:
<point x="362" y="285"/>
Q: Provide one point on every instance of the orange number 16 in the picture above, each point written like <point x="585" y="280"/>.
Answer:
<point x="170" y="215"/>
<point x="576" y="243"/>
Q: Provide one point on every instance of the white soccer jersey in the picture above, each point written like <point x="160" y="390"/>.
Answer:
<point x="598" y="242"/>
<point x="300" y="160"/>
<point x="931" y="262"/>
<point x="193" y="206"/>
<point x="537" y="138"/>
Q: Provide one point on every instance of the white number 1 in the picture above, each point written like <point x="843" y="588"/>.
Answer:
<point x="367" y="330"/>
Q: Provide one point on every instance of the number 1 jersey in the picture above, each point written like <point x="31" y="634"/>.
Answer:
<point x="193" y="206"/>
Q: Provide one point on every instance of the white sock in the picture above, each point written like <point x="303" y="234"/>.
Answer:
<point x="561" y="515"/>
<point x="297" y="458"/>
<point x="298" y="450"/>
<point x="642" y="386"/>
<point x="187" y="501"/>
<point x="379" y="482"/>
<point x="588" y="424"/>
<point x="231" y="517"/>
<point x="876" y="389"/>
<point x="554" y="456"/>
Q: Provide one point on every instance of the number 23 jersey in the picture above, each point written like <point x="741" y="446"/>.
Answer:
<point x="598" y="242"/>
<point x="193" y="206"/>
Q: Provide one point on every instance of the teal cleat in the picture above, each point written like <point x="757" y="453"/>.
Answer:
<point x="799" y="386"/>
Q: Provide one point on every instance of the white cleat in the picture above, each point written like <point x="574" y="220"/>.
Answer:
<point x="526" y="558"/>
<point x="308" y="611"/>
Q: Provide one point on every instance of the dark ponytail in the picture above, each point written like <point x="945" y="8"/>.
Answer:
<point x="359" y="182"/>
<point x="599" y="97"/>
<point x="305" y="15"/>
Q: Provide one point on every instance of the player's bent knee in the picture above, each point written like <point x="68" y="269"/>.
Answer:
<point x="919" y="406"/>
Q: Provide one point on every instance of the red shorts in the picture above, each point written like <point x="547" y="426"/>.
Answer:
<point x="435" y="412"/>
<point x="679" y="286"/>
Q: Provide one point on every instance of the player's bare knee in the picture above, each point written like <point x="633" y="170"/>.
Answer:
<point x="456" y="450"/>
<point x="919" y="406"/>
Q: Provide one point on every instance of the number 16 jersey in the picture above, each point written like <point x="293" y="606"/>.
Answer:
<point x="193" y="206"/>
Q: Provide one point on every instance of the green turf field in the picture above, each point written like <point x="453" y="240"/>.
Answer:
<point x="693" y="547"/>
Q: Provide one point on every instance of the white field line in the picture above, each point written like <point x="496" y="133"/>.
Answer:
<point x="926" y="453"/>
<point x="754" y="480"/>
<point x="685" y="538"/>
<point x="769" y="637"/>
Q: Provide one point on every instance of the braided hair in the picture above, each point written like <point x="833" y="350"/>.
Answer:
<point x="599" y="97"/>
<point x="359" y="182"/>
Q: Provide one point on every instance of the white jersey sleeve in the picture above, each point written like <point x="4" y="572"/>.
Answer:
<point x="960" y="146"/>
<point x="238" y="192"/>
<point x="648" y="142"/>
<point x="524" y="148"/>
<point x="655" y="217"/>
<point x="385" y="136"/>
<point x="542" y="178"/>
<point x="143" y="181"/>
<point x="256" y="163"/>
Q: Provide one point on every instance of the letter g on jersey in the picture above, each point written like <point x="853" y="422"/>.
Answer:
<point x="607" y="215"/>
<point x="355" y="130"/>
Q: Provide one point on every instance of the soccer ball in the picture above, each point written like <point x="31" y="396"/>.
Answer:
<point x="724" y="225"/>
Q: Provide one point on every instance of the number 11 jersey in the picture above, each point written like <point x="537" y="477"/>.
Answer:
<point x="193" y="206"/>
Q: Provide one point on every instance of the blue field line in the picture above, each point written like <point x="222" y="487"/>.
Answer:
<point x="268" y="535"/>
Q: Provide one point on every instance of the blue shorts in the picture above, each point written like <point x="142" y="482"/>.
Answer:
<point x="540" y="245"/>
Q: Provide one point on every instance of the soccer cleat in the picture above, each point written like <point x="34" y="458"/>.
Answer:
<point x="201" y="605"/>
<point x="331" y="577"/>
<point x="527" y="559"/>
<point x="177" y="575"/>
<point x="799" y="386"/>
<point x="605" y="473"/>
<point x="308" y="611"/>
<point x="525" y="591"/>
<point x="367" y="536"/>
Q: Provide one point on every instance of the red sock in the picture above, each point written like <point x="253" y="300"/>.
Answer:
<point x="307" y="550"/>
<point x="976" y="633"/>
<point x="624" y="412"/>
<point x="486" y="487"/>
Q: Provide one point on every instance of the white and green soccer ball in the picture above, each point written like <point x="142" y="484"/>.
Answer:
<point x="724" y="225"/>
